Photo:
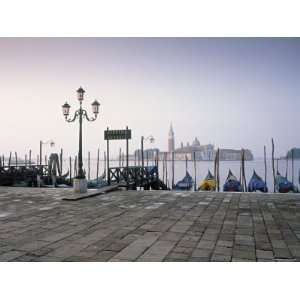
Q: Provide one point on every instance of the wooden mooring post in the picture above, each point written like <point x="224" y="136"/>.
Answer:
<point x="9" y="160"/>
<point x="292" y="165"/>
<point x="265" y="162"/>
<point x="173" y="168"/>
<point x="273" y="164"/>
<point x="70" y="168"/>
<point x="16" y="157"/>
<point x="89" y="165"/>
<point x="61" y="160"/>
<point x="195" y="171"/>
<point x="98" y="161"/>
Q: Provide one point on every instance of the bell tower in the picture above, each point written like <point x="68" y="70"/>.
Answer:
<point x="171" y="140"/>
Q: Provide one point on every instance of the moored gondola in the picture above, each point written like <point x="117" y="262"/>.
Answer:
<point x="257" y="184"/>
<point x="185" y="184"/>
<point x="232" y="184"/>
<point x="283" y="185"/>
<point x="97" y="183"/>
<point x="209" y="183"/>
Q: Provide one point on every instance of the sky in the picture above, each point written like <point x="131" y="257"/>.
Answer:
<point x="232" y="92"/>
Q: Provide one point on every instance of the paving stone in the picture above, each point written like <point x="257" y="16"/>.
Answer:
<point x="158" y="251"/>
<point x="206" y="244"/>
<point x="220" y="258"/>
<point x="104" y="255"/>
<point x="250" y="255"/>
<point x="225" y="251"/>
<point x="67" y="250"/>
<point x="199" y="259"/>
<point x="222" y="243"/>
<point x="282" y="253"/>
<point x="261" y="254"/>
<point x="202" y="253"/>
<point x="136" y="248"/>
<point x="171" y="236"/>
<point x="279" y="244"/>
<point x="11" y="255"/>
<point x="175" y="256"/>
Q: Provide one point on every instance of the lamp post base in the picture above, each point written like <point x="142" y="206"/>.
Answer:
<point x="80" y="185"/>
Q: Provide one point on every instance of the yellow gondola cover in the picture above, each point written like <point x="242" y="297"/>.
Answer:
<point x="207" y="185"/>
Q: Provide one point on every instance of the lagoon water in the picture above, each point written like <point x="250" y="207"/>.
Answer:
<point x="202" y="168"/>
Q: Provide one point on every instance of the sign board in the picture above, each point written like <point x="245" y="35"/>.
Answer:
<point x="117" y="134"/>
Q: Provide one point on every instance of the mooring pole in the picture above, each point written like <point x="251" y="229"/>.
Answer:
<point x="16" y="156"/>
<point x="104" y="160"/>
<point x="218" y="170"/>
<point x="195" y="170"/>
<point x="273" y="165"/>
<point x="147" y="158"/>
<point x="41" y="156"/>
<point x="173" y="169"/>
<point x="127" y="159"/>
<point x="70" y="167"/>
<point x="293" y="165"/>
<point x="120" y="157"/>
<point x="166" y="168"/>
<point x="265" y="161"/>
<point x="142" y="158"/>
<point x="98" y="158"/>
<point x="9" y="160"/>
<point x="89" y="165"/>
<point x="61" y="161"/>
<point x="107" y="157"/>
<point x="142" y="150"/>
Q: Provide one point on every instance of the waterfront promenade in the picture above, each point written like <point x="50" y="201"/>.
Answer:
<point x="37" y="225"/>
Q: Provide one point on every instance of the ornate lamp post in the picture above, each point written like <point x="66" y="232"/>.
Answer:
<point x="80" y="183"/>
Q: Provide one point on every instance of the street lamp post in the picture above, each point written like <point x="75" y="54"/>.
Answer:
<point x="80" y="183"/>
<point x="51" y="142"/>
<point x="151" y="139"/>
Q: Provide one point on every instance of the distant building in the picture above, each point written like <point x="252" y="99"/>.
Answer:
<point x="201" y="152"/>
<point x="294" y="152"/>
<point x="231" y="154"/>
<point x="149" y="154"/>
<point x="189" y="151"/>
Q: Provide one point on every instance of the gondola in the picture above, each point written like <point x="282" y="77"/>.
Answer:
<point x="257" y="184"/>
<point x="232" y="184"/>
<point x="283" y="185"/>
<point x="209" y="183"/>
<point x="185" y="184"/>
<point x="97" y="183"/>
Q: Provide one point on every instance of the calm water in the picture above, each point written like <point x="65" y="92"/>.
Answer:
<point x="203" y="166"/>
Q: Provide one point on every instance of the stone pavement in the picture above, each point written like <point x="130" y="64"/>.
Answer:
<point x="36" y="225"/>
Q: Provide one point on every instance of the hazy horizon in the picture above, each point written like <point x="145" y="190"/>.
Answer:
<point x="231" y="92"/>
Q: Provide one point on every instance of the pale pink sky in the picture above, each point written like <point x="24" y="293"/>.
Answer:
<point x="231" y="92"/>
